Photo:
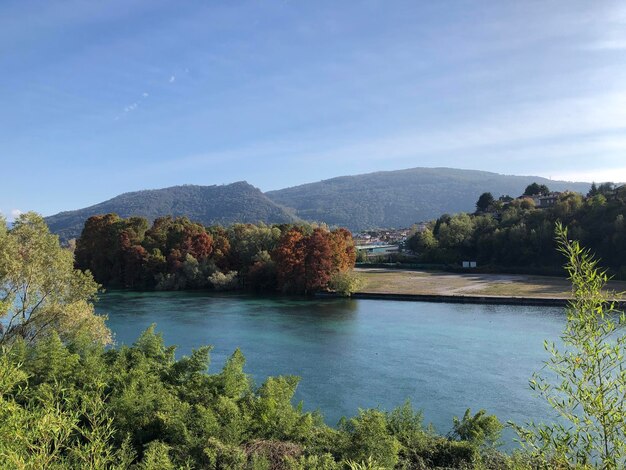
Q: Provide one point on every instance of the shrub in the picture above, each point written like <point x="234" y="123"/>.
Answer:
<point x="345" y="283"/>
<point x="368" y="436"/>
<point x="223" y="281"/>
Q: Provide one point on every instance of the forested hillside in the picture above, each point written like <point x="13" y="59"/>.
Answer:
<point x="401" y="198"/>
<point x="384" y="199"/>
<point x="518" y="235"/>
<point x="225" y="204"/>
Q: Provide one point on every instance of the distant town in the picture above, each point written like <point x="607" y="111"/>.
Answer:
<point x="381" y="242"/>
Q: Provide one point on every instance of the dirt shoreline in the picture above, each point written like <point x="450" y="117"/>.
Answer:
<point x="504" y="289"/>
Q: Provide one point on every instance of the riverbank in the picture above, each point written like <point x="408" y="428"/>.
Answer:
<point x="507" y="289"/>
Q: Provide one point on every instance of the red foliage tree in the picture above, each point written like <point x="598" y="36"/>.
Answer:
<point x="318" y="260"/>
<point x="304" y="264"/>
<point x="289" y="258"/>
<point x="135" y="259"/>
<point x="197" y="243"/>
<point x="221" y="248"/>
<point x="175" y="260"/>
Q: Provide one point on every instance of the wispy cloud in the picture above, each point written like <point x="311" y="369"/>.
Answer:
<point x="134" y="106"/>
<point x="131" y="107"/>
<point x="15" y="213"/>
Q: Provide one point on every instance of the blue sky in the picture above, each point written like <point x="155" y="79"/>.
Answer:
<point x="99" y="98"/>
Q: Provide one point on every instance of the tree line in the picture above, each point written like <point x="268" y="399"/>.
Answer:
<point x="516" y="234"/>
<point x="176" y="253"/>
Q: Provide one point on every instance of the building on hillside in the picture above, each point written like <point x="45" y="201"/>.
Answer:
<point x="505" y="200"/>
<point x="545" y="201"/>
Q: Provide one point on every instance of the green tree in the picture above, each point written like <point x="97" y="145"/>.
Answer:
<point x="606" y="188"/>
<point x="369" y="438"/>
<point x="589" y="391"/>
<point x="53" y="427"/>
<point x="40" y="291"/>
<point x="479" y="429"/>
<point x="536" y="189"/>
<point x="485" y="201"/>
<point x="345" y="283"/>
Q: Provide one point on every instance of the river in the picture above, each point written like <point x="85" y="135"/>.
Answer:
<point x="361" y="353"/>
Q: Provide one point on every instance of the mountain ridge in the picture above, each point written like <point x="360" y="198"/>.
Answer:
<point x="396" y="198"/>
<point x="399" y="198"/>
<point x="215" y="204"/>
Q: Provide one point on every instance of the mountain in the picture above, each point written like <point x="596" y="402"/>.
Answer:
<point x="401" y="198"/>
<point x="374" y="200"/>
<point x="224" y="204"/>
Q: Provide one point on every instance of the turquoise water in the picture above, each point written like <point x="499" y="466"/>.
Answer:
<point x="361" y="353"/>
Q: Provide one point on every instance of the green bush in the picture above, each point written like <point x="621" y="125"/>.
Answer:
<point x="345" y="283"/>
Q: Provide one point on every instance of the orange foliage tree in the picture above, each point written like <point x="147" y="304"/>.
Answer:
<point x="318" y="261"/>
<point x="305" y="264"/>
<point x="289" y="258"/>
<point x="344" y="251"/>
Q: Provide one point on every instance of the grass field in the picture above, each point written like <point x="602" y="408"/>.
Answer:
<point x="394" y="281"/>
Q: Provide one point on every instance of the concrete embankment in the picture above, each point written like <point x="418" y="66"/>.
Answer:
<point x="464" y="299"/>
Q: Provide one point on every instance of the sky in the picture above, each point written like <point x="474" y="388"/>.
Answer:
<point x="98" y="98"/>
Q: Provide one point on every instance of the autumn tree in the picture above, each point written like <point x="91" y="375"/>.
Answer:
<point x="197" y="243"/>
<point x="175" y="253"/>
<point x="306" y="263"/>
<point x="289" y="258"/>
<point x="221" y="247"/>
<point x="343" y="250"/>
<point x="135" y="261"/>
<point x="318" y="260"/>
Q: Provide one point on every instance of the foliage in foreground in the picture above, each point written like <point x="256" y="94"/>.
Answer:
<point x="40" y="291"/>
<point x="589" y="394"/>
<point x="81" y="406"/>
